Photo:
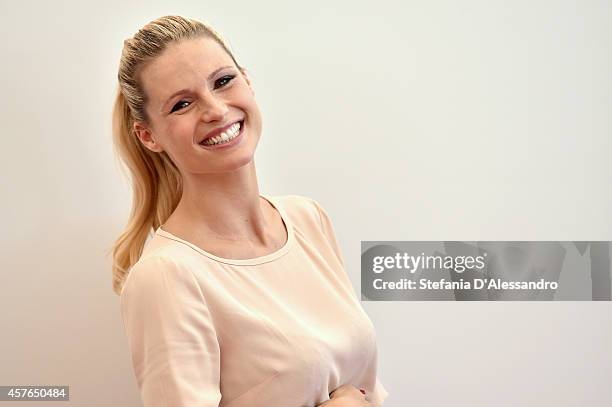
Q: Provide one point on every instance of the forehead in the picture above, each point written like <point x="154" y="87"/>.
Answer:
<point x="181" y="65"/>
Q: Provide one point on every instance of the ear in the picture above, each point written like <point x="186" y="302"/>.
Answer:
<point x="245" y="73"/>
<point x="146" y="137"/>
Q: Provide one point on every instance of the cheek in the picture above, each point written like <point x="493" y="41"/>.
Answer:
<point x="182" y="124"/>
<point x="179" y="135"/>
<point x="245" y="98"/>
<point x="252" y="109"/>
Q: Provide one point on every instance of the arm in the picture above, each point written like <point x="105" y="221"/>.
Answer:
<point x="173" y="344"/>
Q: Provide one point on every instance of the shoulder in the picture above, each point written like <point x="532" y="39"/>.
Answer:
<point x="310" y="218"/>
<point x="161" y="269"/>
<point x="301" y="209"/>
<point x="314" y="222"/>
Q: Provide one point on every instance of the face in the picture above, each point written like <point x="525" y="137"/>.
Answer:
<point x="194" y="88"/>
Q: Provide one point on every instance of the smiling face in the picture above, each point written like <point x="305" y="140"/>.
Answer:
<point x="194" y="88"/>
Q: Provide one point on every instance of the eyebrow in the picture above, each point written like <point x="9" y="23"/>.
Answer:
<point x="187" y="89"/>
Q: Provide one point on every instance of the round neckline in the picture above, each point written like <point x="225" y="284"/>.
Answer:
<point x="244" y="262"/>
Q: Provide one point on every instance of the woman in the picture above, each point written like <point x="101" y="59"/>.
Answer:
<point x="238" y="299"/>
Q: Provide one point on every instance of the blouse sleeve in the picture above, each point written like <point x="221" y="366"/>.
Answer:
<point x="173" y="343"/>
<point x="379" y="393"/>
<point x="328" y="231"/>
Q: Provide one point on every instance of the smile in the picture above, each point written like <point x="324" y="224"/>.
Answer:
<point x="225" y="138"/>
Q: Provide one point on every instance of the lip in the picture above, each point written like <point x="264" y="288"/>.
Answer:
<point x="236" y="140"/>
<point x="219" y="130"/>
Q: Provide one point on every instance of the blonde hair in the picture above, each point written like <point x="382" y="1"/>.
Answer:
<point x="156" y="181"/>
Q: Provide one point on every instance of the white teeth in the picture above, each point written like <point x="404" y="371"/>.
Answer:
<point x="225" y="136"/>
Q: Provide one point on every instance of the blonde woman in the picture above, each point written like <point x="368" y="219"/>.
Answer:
<point x="238" y="299"/>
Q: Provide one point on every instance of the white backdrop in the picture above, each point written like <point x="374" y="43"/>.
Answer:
<point x="428" y="120"/>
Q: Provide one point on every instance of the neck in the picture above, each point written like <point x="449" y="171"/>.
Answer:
<point x="224" y="206"/>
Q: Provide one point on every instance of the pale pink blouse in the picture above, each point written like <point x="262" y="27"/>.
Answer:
<point x="280" y="330"/>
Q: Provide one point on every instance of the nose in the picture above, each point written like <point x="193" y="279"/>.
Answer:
<point x="214" y="109"/>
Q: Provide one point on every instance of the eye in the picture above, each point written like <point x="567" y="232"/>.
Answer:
<point x="223" y="81"/>
<point x="219" y="83"/>
<point x="180" y="103"/>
